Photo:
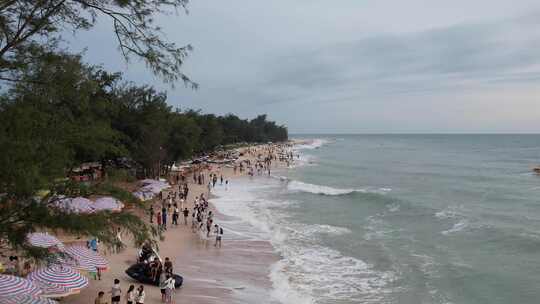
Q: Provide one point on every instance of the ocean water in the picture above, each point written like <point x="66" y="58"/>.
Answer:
<point x="405" y="219"/>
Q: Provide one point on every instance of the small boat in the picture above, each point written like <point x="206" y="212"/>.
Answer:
<point x="536" y="170"/>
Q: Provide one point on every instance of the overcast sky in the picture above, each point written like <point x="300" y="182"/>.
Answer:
<point x="354" y="66"/>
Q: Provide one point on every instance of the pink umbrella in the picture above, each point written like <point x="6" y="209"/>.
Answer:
<point x="44" y="240"/>
<point x="87" y="257"/>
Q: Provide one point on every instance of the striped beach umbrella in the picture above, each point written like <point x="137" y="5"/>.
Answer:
<point x="14" y="286"/>
<point x="87" y="257"/>
<point x="50" y="290"/>
<point x="62" y="275"/>
<point x="25" y="300"/>
<point x="44" y="240"/>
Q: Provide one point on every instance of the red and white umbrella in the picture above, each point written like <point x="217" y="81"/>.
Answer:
<point x="50" y="290"/>
<point x="44" y="240"/>
<point x="61" y="275"/>
<point x="11" y="286"/>
<point x="25" y="300"/>
<point x="87" y="258"/>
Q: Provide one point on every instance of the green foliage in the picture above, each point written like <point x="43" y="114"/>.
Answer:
<point x="65" y="113"/>
<point x="30" y="26"/>
<point x="120" y="175"/>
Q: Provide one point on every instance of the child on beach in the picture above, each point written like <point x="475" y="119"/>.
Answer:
<point x="140" y="295"/>
<point x="170" y="282"/>
<point x="100" y="298"/>
<point x="130" y="295"/>
<point x="116" y="291"/>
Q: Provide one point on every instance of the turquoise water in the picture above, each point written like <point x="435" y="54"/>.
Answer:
<point x="402" y="219"/>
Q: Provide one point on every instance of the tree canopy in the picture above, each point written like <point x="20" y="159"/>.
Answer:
<point x="86" y="114"/>
<point x="30" y="28"/>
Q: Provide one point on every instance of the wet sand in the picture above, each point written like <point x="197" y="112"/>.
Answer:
<point x="236" y="273"/>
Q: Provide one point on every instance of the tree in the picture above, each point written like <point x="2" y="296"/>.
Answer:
<point x="45" y="130"/>
<point x="28" y="28"/>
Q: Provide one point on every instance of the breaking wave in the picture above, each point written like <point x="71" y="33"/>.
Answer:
<point x="325" y="190"/>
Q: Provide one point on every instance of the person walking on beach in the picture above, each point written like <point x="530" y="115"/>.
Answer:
<point x="175" y="215"/>
<point x="158" y="219"/>
<point x="130" y="295"/>
<point x="164" y="217"/>
<point x="186" y="215"/>
<point x="219" y="235"/>
<point x="163" y="285"/>
<point x="119" y="244"/>
<point x="116" y="291"/>
<point x="140" y="295"/>
<point x="151" y="211"/>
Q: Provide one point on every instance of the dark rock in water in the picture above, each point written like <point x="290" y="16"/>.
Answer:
<point x="141" y="273"/>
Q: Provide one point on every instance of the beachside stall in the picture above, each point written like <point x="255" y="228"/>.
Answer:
<point x="87" y="172"/>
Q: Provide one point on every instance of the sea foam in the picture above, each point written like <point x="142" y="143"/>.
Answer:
<point x="307" y="271"/>
<point x="326" y="190"/>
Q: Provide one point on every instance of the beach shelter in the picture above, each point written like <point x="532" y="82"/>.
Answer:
<point x="11" y="286"/>
<point x="25" y="300"/>
<point x="108" y="203"/>
<point x="75" y="205"/>
<point x="61" y="275"/>
<point x="44" y="240"/>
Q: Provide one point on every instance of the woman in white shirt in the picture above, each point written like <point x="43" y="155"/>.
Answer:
<point x="170" y="289"/>
<point x="140" y="295"/>
<point x="130" y="295"/>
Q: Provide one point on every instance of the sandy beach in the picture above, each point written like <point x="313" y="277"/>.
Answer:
<point x="211" y="275"/>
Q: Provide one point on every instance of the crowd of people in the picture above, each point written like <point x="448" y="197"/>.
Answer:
<point x="166" y="209"/>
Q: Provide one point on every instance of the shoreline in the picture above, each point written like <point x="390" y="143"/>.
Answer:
<point x="211" y="275"/>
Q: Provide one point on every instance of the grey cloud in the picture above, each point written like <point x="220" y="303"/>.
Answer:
<point x="456" y="56"/>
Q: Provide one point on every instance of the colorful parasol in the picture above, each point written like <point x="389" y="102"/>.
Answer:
<point x="25" y="300"/>
<point x="14" y="286"/>
<point x="61" y="275"/>
<point x="44" y="240"/>
<point x="87" y="257"/>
